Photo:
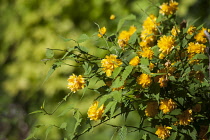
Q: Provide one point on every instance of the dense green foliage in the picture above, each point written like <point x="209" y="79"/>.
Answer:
<point x="27" y="29"/>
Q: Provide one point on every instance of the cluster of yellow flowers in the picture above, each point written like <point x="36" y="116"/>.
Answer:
<point x="110" y="63"/>
<point x="152" y="44"/>
<point x="124" y="36"/>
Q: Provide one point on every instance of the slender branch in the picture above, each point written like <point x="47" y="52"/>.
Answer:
<point x="77" y="136"/>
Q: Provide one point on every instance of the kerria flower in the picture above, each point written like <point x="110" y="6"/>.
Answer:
<point x="191" y="30"/>
<point x="167" y="105"/>
<point x="163" y="132"/>
<point x="75" y="83"/>
<point x="149" y="31"/>
<point x="134" y="61"/>
<point x="169" y="8"/>
<point x="151" y="66"/>
<point x="166" y="44"/>
<point x="163" y="80"/>
<point x="175" y="30"/>
<point x="186" y="117"/>
<point x="95" y="113"/>
<point x="144" y="80"/>
<point x="151" y="109"/>
<point x="200" y="36"/>
<point x="124" y="36"/>
<point x="101" y="31"/>
<point x="112" y="17"/>
<point x="110" y="63"/>
<point x="147" y="52"/>
<point x="195" y="48"/>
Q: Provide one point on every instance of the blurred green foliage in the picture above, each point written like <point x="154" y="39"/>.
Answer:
<point x="28" y="27"/>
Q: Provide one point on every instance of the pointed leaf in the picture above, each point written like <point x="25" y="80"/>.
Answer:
<point x="83" y="38"/>
<point x="126" y="72"/>
<point x="48" y="131"/>
<point x="49" y="53"/>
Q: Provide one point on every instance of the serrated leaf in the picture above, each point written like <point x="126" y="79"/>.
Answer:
<point x="63" y="125"/>
<point x="123" y="133"/>
<point x="50" y="72"/>
<point x="117" y="95"/>
<point x="82" y="38"/>
<point x="145" y="69"/>
<point x="144" y="61"/>
<point x="116" y="72"/>
<point x="66" y="110"/>
<point x="49" y="53"/>
<point x="200" y="56"/>
<point x="122" y="21"/>
<point x="133" y="38"/>
<point x="78" y="118"/>
<point x="83" y="49"/>
<point x="126" y="72"/>
<point x="48" y="131"/>
<point x="65" y="39"/>
<point x="117" y="83"/>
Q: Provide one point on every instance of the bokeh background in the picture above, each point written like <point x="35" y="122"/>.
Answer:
<point x="28" y="27"/>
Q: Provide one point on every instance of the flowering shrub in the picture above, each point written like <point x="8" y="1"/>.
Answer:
<point x="160" y="72"/>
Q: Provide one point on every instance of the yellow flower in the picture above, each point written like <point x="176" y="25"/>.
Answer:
<point x="147" y="52"/>
<point x="110" y="63"/>
<point x="75" y="83"/>
<point x="161" y="56"/>
<point x="150" y="24"/>
<point x="191" y="30"/>
<point x="151" y="66"/>
<point x="135" y="61"/>
<point x="195" y="48"/>
<point x="163" y="132"/>
<point x="169" y="8"/>
<point x="95" y="113"/>
<point x="151" y="109"/>
<point x="149" y="31"/>
<point x="175" y="30"/>
<point x="124" y="36"/>
<point x="144" y="80"/>
<point x="166" y="44"/>
<point x="167" y="105"/>
<point x="112" y="17"/>
<point x="186" y="117"/>
<point x="102" y="31"/>
<point x="200" y="36"/>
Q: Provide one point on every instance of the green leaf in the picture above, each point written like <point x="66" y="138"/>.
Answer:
<point x="110" y="107"/>
<point x="83" y="49"/>
<point x="200" y="56"/>
<point x="65" y="39"/>
<point x="123" y="133"/>
<point x="50" y="72"/>
<point x="67" y="109"/>
<point x="116" y="72"/>
<point x="176" y="112"/>
<point x="122" y="21"/>
<point x="117" y="95"/>
<point x="63" y="125"/>
<point x="78" y="118"/>
<point x="48" y="131"/>
<point x="117" y="83"/>
<point x="144" y="61"/>
<point x="49" y="53"/>
<point x="173" y="136"/>
<point x="133" y="38"/>
<point x="82" y="38"/>
<point x="145" y="69"/>
<point x="126" y="72"/>
<point x="37" y="111"/>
